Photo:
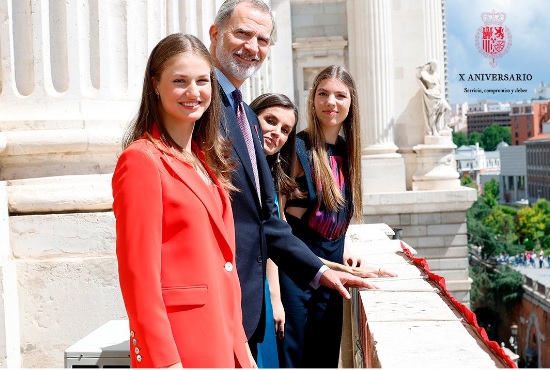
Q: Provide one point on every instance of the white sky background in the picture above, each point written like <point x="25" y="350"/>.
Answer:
<point x="529" y="23"/>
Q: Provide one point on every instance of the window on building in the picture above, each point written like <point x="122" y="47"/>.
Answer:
<point x="529" y="134"/>
<point x="517" y="142"/>
<point x="516" y="134"/>
<point x="527" y="110"/>
<point x="515" y="110"/>
<point x="521" y="182"/>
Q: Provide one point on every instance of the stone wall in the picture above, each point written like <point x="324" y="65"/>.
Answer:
<point x="533" y="322"/>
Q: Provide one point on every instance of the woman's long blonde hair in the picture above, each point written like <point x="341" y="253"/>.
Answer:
<point x="326" y="187"/>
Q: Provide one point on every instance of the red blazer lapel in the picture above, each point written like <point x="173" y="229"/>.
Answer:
<point x="189" y="176"/>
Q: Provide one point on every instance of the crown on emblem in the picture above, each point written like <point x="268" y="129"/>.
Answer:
<point x="493" y="18"/>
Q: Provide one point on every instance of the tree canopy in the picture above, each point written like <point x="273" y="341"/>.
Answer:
<point x="460" y="138"/>
<point x="488" y="139"/>
<point x="494" y="135"/>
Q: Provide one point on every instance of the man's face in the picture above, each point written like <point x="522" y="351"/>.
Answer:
<point x="240" y="48"/>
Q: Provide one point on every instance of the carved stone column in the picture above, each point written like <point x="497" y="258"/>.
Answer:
<point x="371" y="64"/>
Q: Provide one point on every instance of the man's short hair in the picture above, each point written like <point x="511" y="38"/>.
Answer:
<point x="228" y="7"/>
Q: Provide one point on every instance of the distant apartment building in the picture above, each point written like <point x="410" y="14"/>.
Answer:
<point x="527" y="118"/>
<point x="485" y="113"/>
<point x="538" y="165"/>
<point x="513" y="174"/>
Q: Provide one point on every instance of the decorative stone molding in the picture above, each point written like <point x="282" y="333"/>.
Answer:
<point x="311" y="56"/>
<point x="436" y="164"/>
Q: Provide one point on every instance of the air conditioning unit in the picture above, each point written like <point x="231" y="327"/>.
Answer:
<point x="108" y="347"/>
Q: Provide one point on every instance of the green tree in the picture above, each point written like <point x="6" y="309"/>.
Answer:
<point x="491" y="191"/>
<point x="502" y="225"/>
<point x="474" y="137"/>
<point x="494" y="135"/>
<point x="460" y="138"/>
<point x="506" y="287"/>
<point x="534" y="225"/>
<point x="480" y="285"/>
<point x="495" y="287"/>
<point x="478" y="233"/>
<point x="466" y="180"/>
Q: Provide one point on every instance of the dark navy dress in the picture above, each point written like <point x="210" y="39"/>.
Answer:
<point x="314" y="317"/>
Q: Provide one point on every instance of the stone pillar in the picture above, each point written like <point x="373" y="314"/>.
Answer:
<point x="282" y="49"/>
<point x="371" y="64"/>
<point x="69" y="86"/>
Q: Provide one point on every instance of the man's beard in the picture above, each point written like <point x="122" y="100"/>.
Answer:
<point x="239" y="71"/>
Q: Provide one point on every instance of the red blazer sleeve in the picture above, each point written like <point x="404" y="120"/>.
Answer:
<point x="138" y="210"/>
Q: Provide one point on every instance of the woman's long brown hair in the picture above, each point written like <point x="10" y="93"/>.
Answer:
<point x="206" y="132"/>
<point x="326" y="186"/>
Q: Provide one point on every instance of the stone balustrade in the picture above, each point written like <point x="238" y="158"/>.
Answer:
<point x="537" y="287"/>
<point x="409" y="322"/>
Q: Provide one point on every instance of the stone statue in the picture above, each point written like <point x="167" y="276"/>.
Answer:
<point x="436" y="108"/>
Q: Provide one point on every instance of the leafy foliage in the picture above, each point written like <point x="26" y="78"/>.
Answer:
<point x="495" y="288"/>
<point x="480" y="283"/>
<point x="466" y="180"/>
<point x="494" y="228"/>
<point x="474" y="137"/>
<point x="490" y="191"/>
<point x="506" y="286"/>
<point x="534" y="225"/>
<point x="488" y="139"/>
<point x="502" y="225"/>
<point x="494" y="135"/>
<point x="460" y="138"/>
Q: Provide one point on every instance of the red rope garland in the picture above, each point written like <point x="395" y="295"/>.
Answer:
<point x="468" y="314"/>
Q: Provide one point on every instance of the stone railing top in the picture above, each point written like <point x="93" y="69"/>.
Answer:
<point x="410" y="321"/>
<point x="537" y="280"/>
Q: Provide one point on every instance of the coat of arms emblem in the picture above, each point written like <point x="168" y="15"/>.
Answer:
<point x="493" y="39"/>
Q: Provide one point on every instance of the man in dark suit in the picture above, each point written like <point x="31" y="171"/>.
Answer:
<point x="240" y="39"/>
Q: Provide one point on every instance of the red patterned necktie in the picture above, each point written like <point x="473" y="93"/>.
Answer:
<point x="247" y="135"/>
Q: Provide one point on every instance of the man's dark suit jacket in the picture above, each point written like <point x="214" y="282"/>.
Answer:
<point x="260" y="233"/>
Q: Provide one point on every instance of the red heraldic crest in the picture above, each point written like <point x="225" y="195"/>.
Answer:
<point x="493" y="39"/>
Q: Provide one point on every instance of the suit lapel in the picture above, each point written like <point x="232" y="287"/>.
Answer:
<point x="189" y="176"/>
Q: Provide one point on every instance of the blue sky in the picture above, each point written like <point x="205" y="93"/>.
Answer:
<point x="529" y="53"/>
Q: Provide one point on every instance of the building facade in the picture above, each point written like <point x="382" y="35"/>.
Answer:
<point x="513" y="174"/>
<point x="479" y="120"/>
<point x="526" y="120"/>
<point x="538" y="165"/>
<point x="474" y="161"/>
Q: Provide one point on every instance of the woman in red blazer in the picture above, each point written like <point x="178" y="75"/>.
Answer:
<point x="174" y="225"/>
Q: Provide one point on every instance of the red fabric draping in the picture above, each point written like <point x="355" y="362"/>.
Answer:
<point x="468" y="315"/>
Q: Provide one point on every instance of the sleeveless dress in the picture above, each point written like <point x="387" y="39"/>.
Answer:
<point x="314" y="317"/>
